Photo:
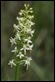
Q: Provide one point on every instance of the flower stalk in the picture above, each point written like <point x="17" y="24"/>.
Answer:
<point x="22" y="39"/>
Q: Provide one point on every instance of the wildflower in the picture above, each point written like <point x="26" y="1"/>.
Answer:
<point x="27" y="62"/>
<point x="28" y="30"/>
<point x="31" y="11"/>
<point x="12" y="40"/>
<point x="32" y="32"/>
<point x="21" y="25"/>
<point x="30" y="17"/>
<point x="24" y="48"/>
<point x="29" y="22"/>
<point x="17" y="36"/>
<point x="30" y="46"/>
<point x="28" y="40"/>
<point x="20" y="55"/>
<point x="15" y="50"/>
<point x="25" y="5"/>
<point x="20" y="13"/>
<point x="19" y="19"/>
<point x="31" y="8"/>
<point x="12" y="63"/>
<point x="16" y="27"/>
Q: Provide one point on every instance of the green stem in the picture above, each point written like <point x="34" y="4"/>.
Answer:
<point x="17" y="75"/>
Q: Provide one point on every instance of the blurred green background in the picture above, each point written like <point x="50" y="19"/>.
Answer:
<point x="42" y="65"/>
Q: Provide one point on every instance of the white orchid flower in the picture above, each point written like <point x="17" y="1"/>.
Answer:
<point x="17" y="36"/>
<point x="16" y="27"/>
<point x="19" y="19"/>
<point x="12" y="40"/>
<point x="30" y="46"/>
<point x="32" y="32"/>
<point x="20" y="55"/>
<point x="27" y="62"/>
<point x="15" y="50"/>
<point x="28" y="40"/>
<point x="24" y="48"/>
<point x="20" y="13"/>
<point x="12" y="63"/>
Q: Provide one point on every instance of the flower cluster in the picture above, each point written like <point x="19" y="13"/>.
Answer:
<point x="22" y="39"/>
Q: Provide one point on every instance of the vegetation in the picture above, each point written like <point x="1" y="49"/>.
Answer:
<point x="42" y="64"/>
